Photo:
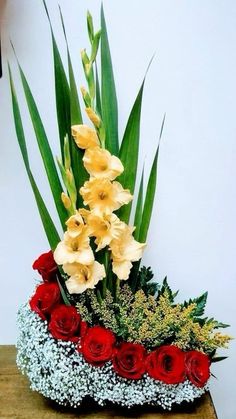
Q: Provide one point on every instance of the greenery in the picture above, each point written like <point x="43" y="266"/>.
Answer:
<point x="153" y="318"/>
<point x="103" y="100"/>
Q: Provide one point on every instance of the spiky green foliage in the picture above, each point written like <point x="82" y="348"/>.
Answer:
<point x="144" y="283"/>
<point x="49" y="227"/>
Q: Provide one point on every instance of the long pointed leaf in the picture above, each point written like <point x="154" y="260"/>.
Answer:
<point x="62" y="91"/>
<point x="76" y="117"/>
<point x="45" y="150"/>
<point x="139" y="209"/>
<point x="149" y="199"/>
<point x="80" y="174"/>
<point x="109" y="99"/>
<point x="150" y="194"/>
<point x="129" y="152"/>
<point x="98" y="95"/>
<point x="63" y="293"/>
<point x="50" y="230"/>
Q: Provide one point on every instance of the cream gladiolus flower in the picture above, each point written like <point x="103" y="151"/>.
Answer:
<point x="75" y="225"/>
<point x="103" y="196"/>
<point x="74" y="249"/>
<point x="85" y="137"/>
<point x="100" y="163"/>
<point x="83" y="277"/>
<point x="125" y="250"/>
<point x="105" y="228"/>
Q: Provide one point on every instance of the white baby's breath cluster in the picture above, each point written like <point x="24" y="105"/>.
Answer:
<point x="56" y="370"/>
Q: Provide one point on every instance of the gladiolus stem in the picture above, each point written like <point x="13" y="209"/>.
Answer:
<point x="104" y="287"/>
<point x="117" y="288"/>
<point x="106" y="264"/>
<point x="99" y="297"/>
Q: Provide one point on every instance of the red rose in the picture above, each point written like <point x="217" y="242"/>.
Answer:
<point x="65" y="323"/>
<point x="129" y="360"/>
<point x="47" y="296"/>
<point x="197" y="367"/>
<point x="166" y="364"/>
<point x="97" y="345"/>
<point x="46" y="266"/>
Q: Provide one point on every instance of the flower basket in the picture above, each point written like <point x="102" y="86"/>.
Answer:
<point x="98" y="324"/>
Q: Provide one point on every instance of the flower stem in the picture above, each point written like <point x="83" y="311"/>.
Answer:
<point x="117" y="289"/>
<point x="104" y="282"/>
<point x="99" y="298"/>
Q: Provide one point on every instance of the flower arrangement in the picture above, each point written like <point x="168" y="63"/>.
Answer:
<point x="96" y="324"/>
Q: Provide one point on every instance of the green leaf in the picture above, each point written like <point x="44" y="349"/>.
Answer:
<point x="62" y="91"/>
<point x="200" y="304"/>
<point x="95" y="46"/>
<point x="139" y="209"/>
<point x="98" y="95"/>
<point x="149" y="200"/>
<point x="109" y="99"/>
<point x="63" y="293"/>
<point x="50" y="230"/>
<point x="150" y="194"/>
<point x="76" y="116"/>
<point x="129" y="152"/>
<point x="145" y="275"/>
<point x="45" y="150"/>
<point x="79" y="172"/>
<point x="219" y="325"/>
<point x="166" y="288"/>
<point x="219" y="358"/>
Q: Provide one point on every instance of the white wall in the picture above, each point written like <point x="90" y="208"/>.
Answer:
<point x="192" y="79"/>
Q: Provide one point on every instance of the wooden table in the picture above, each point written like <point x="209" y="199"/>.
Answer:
<point x="17" y="401"/>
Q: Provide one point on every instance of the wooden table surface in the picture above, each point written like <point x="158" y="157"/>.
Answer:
<point x="17" y="401"/>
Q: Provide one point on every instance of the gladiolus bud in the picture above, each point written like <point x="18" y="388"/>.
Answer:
<point x="88" y="69"/>
<point x="93" y="117"/>
<point x="67" y="153"/>
<point x="86" y="96"/>
<point x="69" y="176"/>
<point x="85" y="137"/>
<point x="84" y="57"/>
<point x="90" y="26"/>
<point x="66" y="200"/>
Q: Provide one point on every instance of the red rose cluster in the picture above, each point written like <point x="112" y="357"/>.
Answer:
<point x="98" y="345"/>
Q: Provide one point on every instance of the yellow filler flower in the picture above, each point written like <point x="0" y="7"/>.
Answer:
<point x="100" y="163"/>
<point x="103" y="196"/>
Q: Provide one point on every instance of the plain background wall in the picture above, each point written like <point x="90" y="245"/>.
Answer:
<point x="192" y="79"/>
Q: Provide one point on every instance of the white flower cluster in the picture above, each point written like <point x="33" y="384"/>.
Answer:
<point x="56" y="370"/>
